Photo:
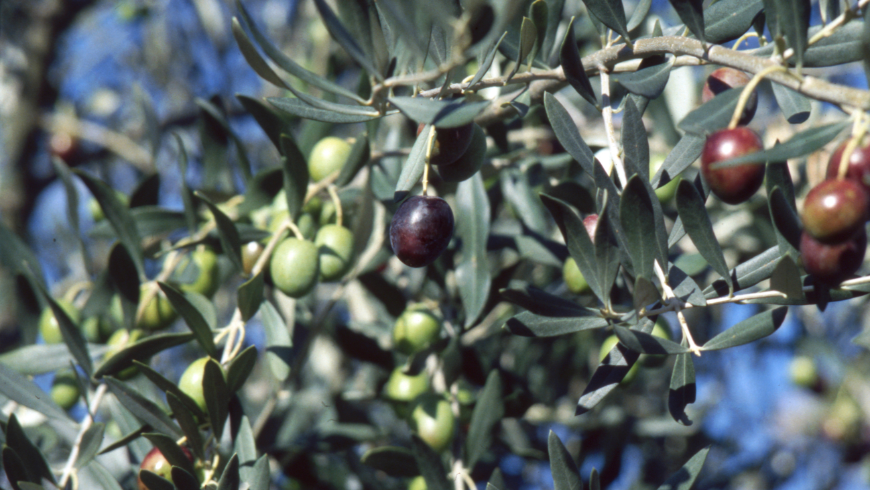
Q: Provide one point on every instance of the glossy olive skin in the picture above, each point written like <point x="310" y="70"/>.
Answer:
<point x="158" y="315"/>
<point x="335" y="245"/>
<point x="573" y="278"/>
<point x="118" y="341"/>
<point x="725" y="78"/>
<point x="327" y="156"/>
<point x="294" y="267"/>
<point x="732" y="185"/>
<point x="48" y="326"/>
<point x="835" y="210"/>
<point x="206" y="282"/>
<point x="405" y="387"/>
<point x="65" y="391"/>
<point x="191" y="381"/>
<point x="157" y="463"/>
<point x="433" y="420"/>
<point x="415" y="329"/>
<point x="421" y="230"/>
<point x="251" y="252"/>
<point x="859" y="164"/>
<point x="833" y="264"/>
<point x="450" y="143"/>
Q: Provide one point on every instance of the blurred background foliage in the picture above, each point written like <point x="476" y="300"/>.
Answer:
<point x="789" y="412"/>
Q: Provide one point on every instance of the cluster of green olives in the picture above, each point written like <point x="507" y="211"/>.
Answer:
<point x="429" y="414"/>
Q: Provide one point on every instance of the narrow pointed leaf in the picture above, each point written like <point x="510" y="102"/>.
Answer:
<point x="685" y="288"/>
<point x="250" y="295"/>
<point x="691" y="12"/>
<point x="639" y="14"/>
<point x="246" y="449"/>
<point x="795" y="107"/>
<point x="297" y="107"/>
<point x="169" y="387"/>
<point x="572" y="65"/>
<point x="32" y="458"/>
<point x="287" y="64"/>
<point x="294" y="168"/>
<point x="606" y="377"/>
<point x="748" y="273"/>
<point x="785" y="221"/>
<point x="727" y="20"/>
<point x="192" y="317"/>
<point x="272" y="123"/>
<point x="528" y="37"/>
<point x="117" y="214"/>
<point x="685" y="477"/>
<point x="635" y="145"/>
<point x="638" y="220"/>
<point x="753" y="328"/>
<point x="567" y="133"/>
<point x="230" y="477"/>
<point x="803" y="143"/>
<point x="448" y="113"/>
<point x="528" y="324"/>
<point x="794" y="18"/>
<point x="217" y="397"/>
<point x="72" y="206"/>
<point x="217" y="115"/>
<point x="186" y="192"/>
<point x="472" y="272"/>
<point x="171" y="451"/>
<point x="393" y="460"/>
<point x="542" y="303"/>
<point x="486" y="63"/>
<point x="186" y="419"/>
<point x="227" y="232"/>
<point x="648" y="81"/>
<point x="36" y="359"/>
<point x="682" y="390"/>
<point x="345" y="39"/>
<point x="90" y="445"/>
<point x="539" y="13"/>
<point x="696" y="221"/>
<point x="240" y="368"/>
<point x="141" y="350"/>
<point x="645" y="343"/>
<point x="101" y="475"/>
<point x="277" y="341"/>
<point x="142" y="408"/>
<point x="611" y="13"/>
<point x="413" y="167"/>
<point x="566" y="475"/>
<point x="786" y="278"/>
<point x="488" y="411"/>
<point x="18" y="257"/>
<point x="607" y="252"/>
<point x="71" y="333"/>
<point x="713" y="115"/>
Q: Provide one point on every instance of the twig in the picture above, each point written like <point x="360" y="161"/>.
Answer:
<point x="89" y="420"/>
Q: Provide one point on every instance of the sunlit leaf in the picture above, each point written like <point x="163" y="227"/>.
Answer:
<point x="192" y="317"/>
<point x="301" y="109"/>
<point x="645" y="343"/>
<point x="649" y="80"/>
<point x="227" y="232"/>
<point x="747" y="274"/>
<point x="795" y="107"/>
<point x="682" y="390"/>
<point x="447" y="113"/>
<point x="278" y="342"/>
<point x="727" y="20"/>
<point x="142" y="408"/>
<point x="753" y="328"/>
<point x="685" y="477"/>
<point x="566" y="475"/>
<point x="488" y="411"/>
<point x="611" y="13"/>
<point x="691" y="12"/>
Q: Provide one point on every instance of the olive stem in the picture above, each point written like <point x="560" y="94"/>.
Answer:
<point x="335" y="200"/>
<point x="743" y="38"/>
<point x="430" y="142"/>
<point x="89" y="420"/>
<point x="747" y="92"/>
<point x="672" y="301"/>
<point x="858" y="131"/>
<point x="607" y="115"/>
<point x="270" y="247"/>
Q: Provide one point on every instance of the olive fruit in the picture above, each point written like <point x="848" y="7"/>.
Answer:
<point x="48" y="326"/>
<point x="65" y="389"/>
<point x="63" y="145"/>
<point x="832" y="264"/>
<point x="835" y="210"/>
<point x="405" y="387"/>
<point x="415" y="329"/>
<point x="665" y="192"/>
<point x="117" y="342"/>
<point x="802" y="371"/>
<point x="327" y="156"/>
<point x="421" y="230"/>
<point x="726" y="78"/>
<point x="608" y="345"/>
<point x="468" y="163"/>
<point x="735" y="184"/>
<point x="156" y="462"/>
<point x="294" y="267"/>
<point x="433" y="420"/>
<point x="859" y="165"/>
<point x="205" y="261"/>
<point x="574" y="279"/>
<point x="335" y="246"/>
<point x="417" y="483"/>
<point x="450" y="143"/>
<point x="159" y="313"/>
<point x="97" y="329"/>
<point x="251" y="252"/>
<point x="191" y="381"/>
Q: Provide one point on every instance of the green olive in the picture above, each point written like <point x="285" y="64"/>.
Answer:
<point x="803" y="372"/>
<point x="405" y="387"/>
<point x="205" y="261"/>
<point x="191" y="381"/>
<point x="65" y="391"/>
<point x="48" y="326"/>
<point x="433" y="420"/>
<point x="415" y="329"/>
<point x="294" y="267"/>
<point x="251" y="252"/>
<point x="417" y="483"/>
<point x="666" y="192"/>
<point x="327" y="156"/>
<point x="574" y="278"/>
<point x="159" y="313"/>
<point x="117" y="342"/>
<point x="335" y="245"/>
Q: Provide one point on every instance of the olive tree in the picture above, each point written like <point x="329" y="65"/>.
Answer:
<point x="435" y="257"/>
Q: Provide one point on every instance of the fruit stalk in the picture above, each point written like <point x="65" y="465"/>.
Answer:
<point x="86" y="424"/>
<point x="749" y="89"/>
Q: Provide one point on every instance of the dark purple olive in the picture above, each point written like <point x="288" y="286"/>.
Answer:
<point x="736" y="184"/>
<point x="421" y="229"/>
<point x="835" y="209"/>
<point x="833" y="264"/>
<point x="726" y="78"/>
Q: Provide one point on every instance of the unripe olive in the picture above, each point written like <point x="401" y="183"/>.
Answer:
<point x="159" y="313"/>
<point x="191" y="381"/>
<point x="65" y="391"/>
<point x="433" y="420"/>
<point x="206" y="282"/>
<point x="415" y="329"/>
<point x="327" y="156"/>
<point x="405" y="387"/>
<point x="335" y="246"/>
<point x="608" y="345"/>
<point x="574" y="278"/>
<point x="48" y="326"/>
<point x="118" y="341"/>
<point x="294" y="267"/>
